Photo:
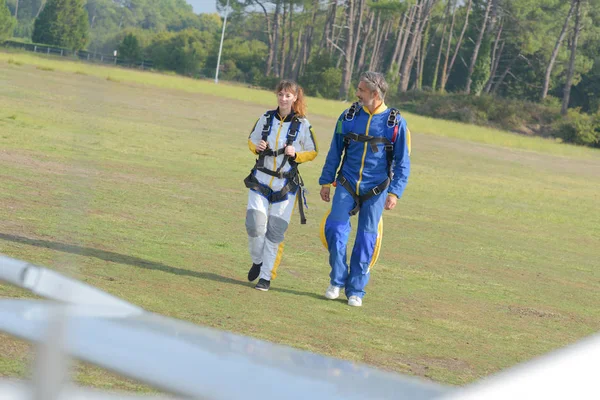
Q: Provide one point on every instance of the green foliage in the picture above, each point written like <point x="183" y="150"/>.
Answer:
<point x="184" y="52"/>
<point x="515" y="115"/>
<point x="130" y="49"/>
<point x="578" y="128"/>
<point x="322" y="78"/>
<point x="241" y="60"/>
<point x="481" y="73"/>
<point x="62" y="23"/>
<point x="587" y="93"/>
<point x="7" y="22"/>
<point x="24" y="29"/>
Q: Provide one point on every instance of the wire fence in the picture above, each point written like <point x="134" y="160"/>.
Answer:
<point x="82" y="55"/>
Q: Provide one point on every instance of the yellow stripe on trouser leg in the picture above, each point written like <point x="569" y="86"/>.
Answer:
<point x="322" y="230"/>
<point x="377" y="243"/>
<point x="277" y="261"/>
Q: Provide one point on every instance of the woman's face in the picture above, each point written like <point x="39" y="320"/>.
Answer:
<point x="286" y="99"/>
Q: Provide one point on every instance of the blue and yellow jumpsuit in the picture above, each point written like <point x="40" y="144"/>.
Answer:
<point x="364" y="170"/>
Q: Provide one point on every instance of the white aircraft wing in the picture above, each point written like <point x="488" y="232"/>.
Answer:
<point x="185" y="359"/>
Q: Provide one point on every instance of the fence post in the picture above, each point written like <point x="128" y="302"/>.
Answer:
<point x="48" y="52"/>
<point x="101" y="58"/>
<point x="35" y="48"/>
<point x="61" y="52"/>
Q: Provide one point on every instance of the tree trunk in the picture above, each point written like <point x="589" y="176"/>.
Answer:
<point x="495" y="59"/>
<point x="347" y="71"/>
<point x="503" y="76"/>
<point x="439" y="56"/>
<point x="477" y="47"/>
<point x="447" y="54"/>
<point x="415" y="84"/>
<point x="398" y="43"/>
<point x="425" y="8"/>
<point x="269" y="37"/>
<point x="43" y="3"/>
<point x="559" y="41"/>
<point x="446" y="71"/>
<point x="378" y="31"/>
<point x="283" y="41"/>
<point x="360" y="11"/>
<point x="366" y="36"/>
<point x="383" y="45"/>
<point x="308" y="40"/>
<point x="407" y="34"/>
<point x="276" y="37"/>
<point x="291" y="50"/>
<point x="407" y="65"/>
<point x="17" y="10"/>
<point x="571" y="71"/>
<point x="423" y="55"/>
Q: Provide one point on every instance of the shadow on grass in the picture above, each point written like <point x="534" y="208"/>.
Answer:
<point x="139" y="262"/>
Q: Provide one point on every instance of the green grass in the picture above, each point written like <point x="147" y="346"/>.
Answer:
<point x="136" y="187"/>
<point x="323" y="107"/>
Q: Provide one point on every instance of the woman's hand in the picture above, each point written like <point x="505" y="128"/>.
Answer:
<point x="261" y="146"/>
<point x="290" y="151"/>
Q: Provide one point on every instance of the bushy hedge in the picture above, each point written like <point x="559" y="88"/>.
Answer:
<point x="515" y="115"/>
<point x="578" y="128"/>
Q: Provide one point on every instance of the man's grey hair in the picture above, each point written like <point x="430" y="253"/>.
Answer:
<point x="376" y="82"/>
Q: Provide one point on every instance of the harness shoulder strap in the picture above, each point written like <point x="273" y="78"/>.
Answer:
<point x="393" y="118"/>
<point x="351" y="112"/>
<point x="293" y="131"/>
<point x="268" y="123"/>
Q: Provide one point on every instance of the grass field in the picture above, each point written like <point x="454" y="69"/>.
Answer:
<point x="132" y="182"/>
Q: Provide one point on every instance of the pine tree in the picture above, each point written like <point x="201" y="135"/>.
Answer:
<point x="7" y="22"/>
<point x="63" y="23"/>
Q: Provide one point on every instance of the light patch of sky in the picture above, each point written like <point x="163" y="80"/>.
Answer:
<point x="203" y="6"/>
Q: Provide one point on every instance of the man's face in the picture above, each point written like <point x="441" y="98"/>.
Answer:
<point x="365" y="96"/>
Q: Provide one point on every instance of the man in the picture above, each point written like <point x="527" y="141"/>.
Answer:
<point x="375" y="144"/>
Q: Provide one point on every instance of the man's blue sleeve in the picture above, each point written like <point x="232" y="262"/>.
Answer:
<point x="401" y="167"/>
<point x="334" y="155"/>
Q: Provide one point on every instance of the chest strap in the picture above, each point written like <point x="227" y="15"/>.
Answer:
<point x="371" y="140"/>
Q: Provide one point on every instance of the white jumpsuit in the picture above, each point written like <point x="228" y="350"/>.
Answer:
<point x="266" y="223"/>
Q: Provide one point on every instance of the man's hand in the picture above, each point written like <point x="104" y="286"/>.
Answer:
<point x="390" y="202"/>
<point x="325" y="190"/>
<point x="290" y="151"/>
<point x="261" y="146"/>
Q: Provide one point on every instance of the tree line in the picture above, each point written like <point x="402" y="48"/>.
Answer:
<point x="538" y="57"/>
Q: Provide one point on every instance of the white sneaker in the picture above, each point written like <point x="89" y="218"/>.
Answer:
<point x="355" y="301"/>
<point x="332" y="292"/>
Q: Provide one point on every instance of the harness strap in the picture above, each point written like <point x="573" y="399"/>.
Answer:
<point x="359" y="200"/>
<point x="351" y="111"/>
<point x="281" y="175"/>
<point x="292" y="134"/>
<point x="391" y="122"/>
<point x="293" y="184"/>
<point x="372" y="140"/>
<point x="294" y="180"/>
<point x="267" y="126"/>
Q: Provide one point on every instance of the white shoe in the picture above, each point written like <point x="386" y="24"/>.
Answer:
<point x="332" y="292"/>
<point x="355" y="301"/>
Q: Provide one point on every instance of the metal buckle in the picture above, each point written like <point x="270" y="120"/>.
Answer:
<point x="376" y="190"/>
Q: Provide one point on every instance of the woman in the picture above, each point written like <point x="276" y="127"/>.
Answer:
<point x="282" y="139"/>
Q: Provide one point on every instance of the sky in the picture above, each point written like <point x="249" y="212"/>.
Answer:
<point x="203" y="6"/>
